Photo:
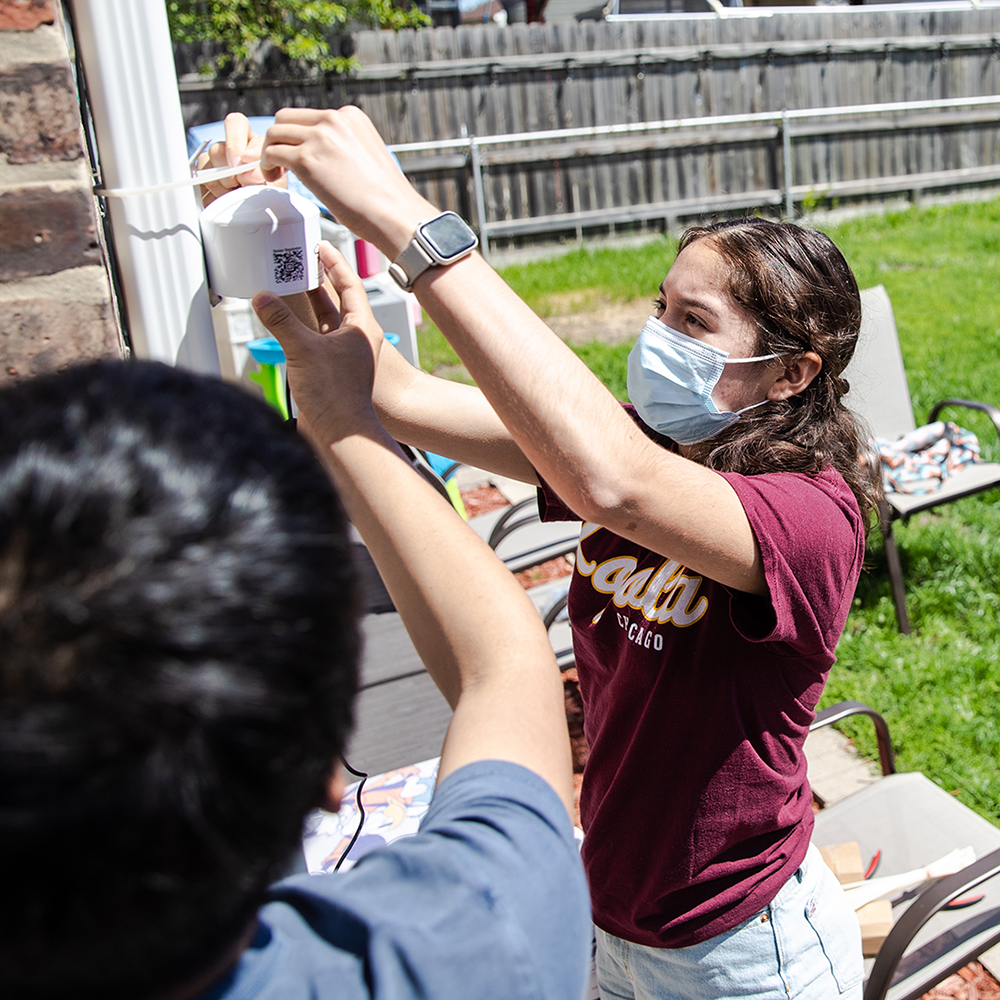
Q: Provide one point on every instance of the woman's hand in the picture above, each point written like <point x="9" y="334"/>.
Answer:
<point x="330" y="373"/>
<point x="341" y="158"/>
<point x="240" y="146"/>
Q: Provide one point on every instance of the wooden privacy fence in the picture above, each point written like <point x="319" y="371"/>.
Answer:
<point x="785" y="128"/>
<point x="536" y="130"/>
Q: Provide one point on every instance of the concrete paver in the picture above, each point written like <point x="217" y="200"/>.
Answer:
<point x="835" y="768"/>
<point x="991" y="961"/>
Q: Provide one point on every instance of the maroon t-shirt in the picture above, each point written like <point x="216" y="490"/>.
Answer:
<point x="697" y="702"/>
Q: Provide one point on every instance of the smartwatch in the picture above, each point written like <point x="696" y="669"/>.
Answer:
<point x="440" y="241"/>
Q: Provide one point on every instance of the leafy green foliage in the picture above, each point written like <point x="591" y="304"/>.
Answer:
<point x="301" y="29"/>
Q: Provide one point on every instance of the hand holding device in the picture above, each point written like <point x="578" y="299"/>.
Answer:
<point x="341" y="158"/>
<point x="330" y="372"/>
<point x="261" y="238"/>
<point x="241" y="146"/>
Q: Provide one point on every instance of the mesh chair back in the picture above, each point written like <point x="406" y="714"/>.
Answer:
<point x="879" y="393"/>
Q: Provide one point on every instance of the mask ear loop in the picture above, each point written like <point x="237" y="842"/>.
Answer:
<point x="752" y="406"/>
<point x="746" y="361"/>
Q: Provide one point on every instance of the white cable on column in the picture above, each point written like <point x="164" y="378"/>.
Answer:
<point x="128" y="62"/>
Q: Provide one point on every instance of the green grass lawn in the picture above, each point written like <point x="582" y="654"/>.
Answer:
<point x="569" y="283"/>
<point x="939" y="688"/>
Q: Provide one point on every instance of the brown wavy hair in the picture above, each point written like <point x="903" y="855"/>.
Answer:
<point x="800" y="294"/>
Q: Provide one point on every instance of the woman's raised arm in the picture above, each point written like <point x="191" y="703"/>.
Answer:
<point x="560" y="416"/>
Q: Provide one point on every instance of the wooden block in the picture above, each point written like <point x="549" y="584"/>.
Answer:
<point x="876" y="922"/>
<point x="844" y="860"/>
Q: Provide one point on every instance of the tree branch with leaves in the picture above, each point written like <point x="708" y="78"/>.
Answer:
<point x="302" y="30"/>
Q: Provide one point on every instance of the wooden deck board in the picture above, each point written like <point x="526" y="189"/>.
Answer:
<point x="400" y="716"/>
<point x="399" y="722"/>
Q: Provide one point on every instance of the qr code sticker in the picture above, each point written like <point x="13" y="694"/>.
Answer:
<point x="289" y="265"/>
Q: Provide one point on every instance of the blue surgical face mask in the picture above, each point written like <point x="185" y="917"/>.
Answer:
<point x="670" y="381"/>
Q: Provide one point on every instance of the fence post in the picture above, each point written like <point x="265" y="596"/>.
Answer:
<point x="786" y="148"/>
<point x="477" y="184"/>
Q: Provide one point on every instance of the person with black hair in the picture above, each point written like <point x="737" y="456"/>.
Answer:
<point x="178" y="651"/>
<point x="725" y="513"/>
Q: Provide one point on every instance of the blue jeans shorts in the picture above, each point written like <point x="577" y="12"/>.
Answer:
<point x="805" y="945"/>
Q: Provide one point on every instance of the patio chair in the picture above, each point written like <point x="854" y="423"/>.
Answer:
<point x="521" y="539"/>
<point x="375" y="597"/>
<point x="516" y="533"/>
<point x="439" y="472"/>
<point x="879" y="394"/>
<point x="400" y="716"/>
<point x="913" y="822"/>
<point x="556" y="622"/>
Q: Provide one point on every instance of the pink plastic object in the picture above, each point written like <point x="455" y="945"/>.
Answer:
<point x="369" y="262"/>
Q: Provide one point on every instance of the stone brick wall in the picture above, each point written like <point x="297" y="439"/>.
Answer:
<point x="55" y="300"/>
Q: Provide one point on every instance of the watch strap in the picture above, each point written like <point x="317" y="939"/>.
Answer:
<point x="422" y="252"/>
<point x="409" y="265"/>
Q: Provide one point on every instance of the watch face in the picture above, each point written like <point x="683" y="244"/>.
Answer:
<point x="448" y="237"/>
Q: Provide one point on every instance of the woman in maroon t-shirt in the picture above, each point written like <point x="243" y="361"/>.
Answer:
<point x="725" y="523"/>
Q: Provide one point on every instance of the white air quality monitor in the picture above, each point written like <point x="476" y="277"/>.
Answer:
<point x="261" y="239"/>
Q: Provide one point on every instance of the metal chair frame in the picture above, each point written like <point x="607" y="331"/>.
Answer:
<point x="880" y="395"/>
<point x="904" y="968"/>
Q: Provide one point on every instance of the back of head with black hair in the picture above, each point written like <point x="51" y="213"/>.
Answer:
<point x="177" y="665"/>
